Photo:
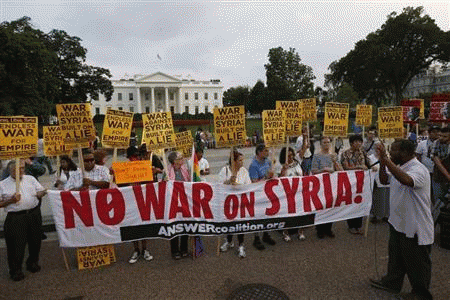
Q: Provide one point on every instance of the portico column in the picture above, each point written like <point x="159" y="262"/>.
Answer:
<point x="180" y="102"/>
<point x="139" y="104"/>
<point x="153" y="99"/>
<point x="166" y="90"/>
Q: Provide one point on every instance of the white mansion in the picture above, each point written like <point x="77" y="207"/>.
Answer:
<point x="162" y="92"/>
<point x="435" y="79"/>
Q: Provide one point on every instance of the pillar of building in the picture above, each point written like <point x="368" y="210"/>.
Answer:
<point x="139" y="103"/>
<point x="166" y="92"/>
<point x="153" y="99"/>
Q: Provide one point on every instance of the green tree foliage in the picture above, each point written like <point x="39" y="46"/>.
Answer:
<point x="259" y="99"/>
<point x="236" y="96"/>
<point x="381" y="65"/>
<point x="346" y="94"/>
<point x="38" y="70"/>
<point x="287" y="77"/>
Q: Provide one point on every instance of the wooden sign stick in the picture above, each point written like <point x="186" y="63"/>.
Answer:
<point x="80" y="159"/>
<point x="114" y="158"/>
<point x="17" y="175"/>
<point x="58" y="167"/>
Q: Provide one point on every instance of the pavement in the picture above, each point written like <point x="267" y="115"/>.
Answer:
<point x="337" y="268"/>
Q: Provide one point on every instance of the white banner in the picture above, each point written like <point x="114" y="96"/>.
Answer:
<point x="168" y="209"/>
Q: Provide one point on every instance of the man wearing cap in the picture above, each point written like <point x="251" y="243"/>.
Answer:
<point x="23" y="223"/>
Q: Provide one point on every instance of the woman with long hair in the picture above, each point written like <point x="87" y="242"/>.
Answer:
<point x="67" y="168"/>
<point x="234" y="174"/>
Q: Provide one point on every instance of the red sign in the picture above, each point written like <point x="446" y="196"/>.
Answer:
<point x="411" y="110"/>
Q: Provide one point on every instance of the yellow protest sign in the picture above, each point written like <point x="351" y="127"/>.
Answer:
<point x="273" y="127"/>
<point x="229" y="126"/>
<point x="53" y="141"/>
<point x="96" y="256"/>
<point x="293" y="116"/>
<point x="363" y="115"/>
<point x="158" y="131"/>
<point x="18" y="137"/>
<point x="132" y="171"/>
<point x="336" y="119"/>
<point x="184" y="142"/>
<point x="117" y="129"/>
<point x="390" y="122"/>
<point x="76" y="123"/>
<point x="309" y="109"/>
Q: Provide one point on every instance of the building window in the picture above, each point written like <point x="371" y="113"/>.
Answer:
<point x="147" y="109"/>
<point x="172" y="96"/>
<point x="131" y="109"/>
<point x="97" y="110"/>
<point x="196" y="96"/>
<point x="172" y="109"/>
<point x="206" y="96"/>
<point x="120" y="108"/>
<point x="131" y="96"/>
<point x="186" y="96"/>
<point x="119" y="96"/>
<point x="147" y="96"/>
<point x="186" y="109"/>
<point x="206" y="109"/>
<point x="216" y="96"/>
<point x="196" y="110"/>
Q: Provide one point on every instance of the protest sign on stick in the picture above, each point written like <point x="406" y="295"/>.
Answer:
<point x="158" y="131"/>
<point x="76" y="123"/>
<point x="229" y="126"/>
<point x="411" y="110"/>
<point x="309" y="109"/>
<point x="273" y="127"/>
<point x="133" y="171"/>
<point x="390" y="122"/>
<point x="363" y="115"/>
<point x="293" y="116"/>
<point x="54" y="145"/>
<point x="18" y="139"/>
<point x="117" y="129"/>
<point x="439" y="108"/>
<point x="184" y="142"/>
<point x="336" y="119"/>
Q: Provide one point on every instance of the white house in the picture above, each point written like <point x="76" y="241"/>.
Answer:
<point x="162" y="92"/>
<point x="436" y="79"/>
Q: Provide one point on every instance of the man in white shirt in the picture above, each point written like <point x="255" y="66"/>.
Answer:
<point x="424" y="149"/>
<point x="411" y="223"/>
<point x="95" y="176"/>
<point x="23" y="223"/>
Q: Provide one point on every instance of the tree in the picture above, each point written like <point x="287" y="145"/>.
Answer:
<point x="287" y="77"/>
<point x="236" y="96"/>
<point x="38" y="70"/>
<point x="259" y="99"/>
<point x="346" y="94"/>
<point x="381" y="65"/>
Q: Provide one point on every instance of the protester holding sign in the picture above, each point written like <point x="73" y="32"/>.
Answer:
<point x="411" y="225"/>
<point x="441" y="171"/>
<point x="323" y="162"/>
<point x="234" y="173"/>
<point x="23" y="223"/>
<point x="261" y="169"/>
<point x="178" y="171"/>
<point x="290" y="167"/>
<point x="305" y="150"/>
<point x="67" y="169"/>
<point x="95" y="176"/>
<point x="355" y="158"/>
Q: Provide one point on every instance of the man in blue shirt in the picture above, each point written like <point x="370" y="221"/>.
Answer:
<point x="261" y="169"/>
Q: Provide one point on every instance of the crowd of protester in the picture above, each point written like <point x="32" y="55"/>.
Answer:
<point x="433" y="152"/>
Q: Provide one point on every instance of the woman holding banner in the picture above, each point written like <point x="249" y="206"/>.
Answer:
<point x="67" y="169"/>
<point x="234" y="173"/>
<point x="291" y="167"/>
<point x="323" y="162"/>
<point x="178" y="171"/>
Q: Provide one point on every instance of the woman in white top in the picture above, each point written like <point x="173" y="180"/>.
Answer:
<point x="235" y="174"/>
<point x="68" y="167"/>
<point x="291" y="167"/>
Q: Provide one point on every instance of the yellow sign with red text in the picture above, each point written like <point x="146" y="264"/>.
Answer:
<point x="18" y="137"/>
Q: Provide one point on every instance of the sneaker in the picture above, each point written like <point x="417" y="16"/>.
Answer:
<point x="17" y="276"/>
<point x="286" y="236"/>
<point x="226" y="246"/>
<point x="378" y="284"/>
<point x="241" y="252"/>
<point x="301" y="237"/>
<point x="258" y="245"/>
<point x="134" y="257"/>
<point x="268" y="240"/>
<point x="147" y="256"/>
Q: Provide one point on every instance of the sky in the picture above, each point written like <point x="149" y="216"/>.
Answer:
<point x="226" y="40"/>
